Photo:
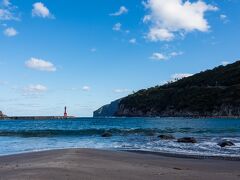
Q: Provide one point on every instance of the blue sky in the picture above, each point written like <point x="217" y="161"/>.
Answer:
<point x="84" y="54"/>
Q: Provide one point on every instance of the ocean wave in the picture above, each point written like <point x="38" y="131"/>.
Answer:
<point x="82" y="132"/>
<point x="114" y="131"/>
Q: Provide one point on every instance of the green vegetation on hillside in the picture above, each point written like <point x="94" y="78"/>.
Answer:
<point x="211" y="93"/>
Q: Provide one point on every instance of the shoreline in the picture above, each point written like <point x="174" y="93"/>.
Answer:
<point x="113" y="117"/>
<point x="143" y="152"/>
<point x="37" y="118"/>
<point x="107" y="164"/>
<point x="187" y="156"/>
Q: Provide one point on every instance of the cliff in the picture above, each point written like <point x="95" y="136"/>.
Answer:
<point x="108" y="110"/>
<point x="214" y="92"/>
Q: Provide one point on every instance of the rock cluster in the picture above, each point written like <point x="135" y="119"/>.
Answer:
<point x="225" y="143"/>
<point x="222" y="144"/>
<point x="106" y="134"/>
<point x="166" y="136"/>
<point x="187" y="140"/>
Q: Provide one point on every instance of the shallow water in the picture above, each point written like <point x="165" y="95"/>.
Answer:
<point x="128" y="134"/>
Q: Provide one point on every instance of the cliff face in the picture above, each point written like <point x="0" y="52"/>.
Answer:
<point x="107" y="110"/>
<point x="211" y="93"/>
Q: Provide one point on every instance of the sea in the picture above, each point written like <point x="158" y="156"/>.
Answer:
<point x="132" y="134"/>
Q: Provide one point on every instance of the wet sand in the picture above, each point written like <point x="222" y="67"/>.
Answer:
<point x="71" y="164"/>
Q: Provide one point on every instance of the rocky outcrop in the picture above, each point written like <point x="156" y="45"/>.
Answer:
<point x="187" y="140"/>
<point x="107" y="110"/>
<point x="166" y="136"/>
<point x="106" y="134"/>
<point x="225" y="143"/>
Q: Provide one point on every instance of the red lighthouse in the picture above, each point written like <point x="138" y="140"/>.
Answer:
<point x="65" y="112"/>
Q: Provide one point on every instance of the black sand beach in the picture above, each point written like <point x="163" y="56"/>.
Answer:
<point x="99" y="164"/>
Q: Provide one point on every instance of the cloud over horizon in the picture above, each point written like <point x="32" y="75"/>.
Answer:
<point x="121" y="91"/>
<point x="86" y="88"/>
<point x="179" y="76"/>
<point x="160" y="56"/>
<point x="35" y="89"/>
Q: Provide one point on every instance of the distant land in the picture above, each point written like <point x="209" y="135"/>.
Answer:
<point x="34" y="117"/>
<point x="212" y="93"/>
<point x="3" y="116"/>
<point x="65" y="116"/>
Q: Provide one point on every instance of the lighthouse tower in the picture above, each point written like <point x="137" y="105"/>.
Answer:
<point x="65" y="112"/>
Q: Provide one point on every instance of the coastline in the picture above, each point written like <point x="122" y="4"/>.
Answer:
<point x="36" y="118"/>
<point x="143" y="152"/>
<point x="113" y="117"/>
<point x="187" y="156"/>
<point x="106" y="164"/>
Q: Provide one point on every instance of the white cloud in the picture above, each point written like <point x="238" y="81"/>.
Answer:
<point x="159" y="34"/>
<point x="41" y="65"/>
<point x="224" y="63"/>
<point x="40" y="10"/>
<point x="174" y="54"/>
<point x="180" y="76"/>
<point x="224" y="18"/>
<point x="169" y="17"/>
<point x="122" y="10"/>
<point x="7" y="11"/>
<point x="133" y="41"/>
<point x="117" y="27"/>
<point x="5" y="14"/>
<point x="35" y="89"/>
<point x="161" y="56"/>
<point x="121" y="90"/>
<point x="158" y="56"/>
<point x="86" y="88"/>
<point x="10" y="32"/>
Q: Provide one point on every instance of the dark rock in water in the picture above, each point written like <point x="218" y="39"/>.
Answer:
<point x="106" y="134"/>
<point x="166" y="136"/>
<point x="225" y="143"/>
<point x="150" y="133"/>
<point x="187" y="140"/>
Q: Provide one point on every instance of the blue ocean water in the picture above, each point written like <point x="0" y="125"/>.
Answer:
<point x="128" y="134"/>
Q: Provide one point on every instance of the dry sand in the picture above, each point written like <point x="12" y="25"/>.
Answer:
<point x="98" y="164"/>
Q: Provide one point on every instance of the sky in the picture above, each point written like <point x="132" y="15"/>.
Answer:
<point x="85" y="54"/>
